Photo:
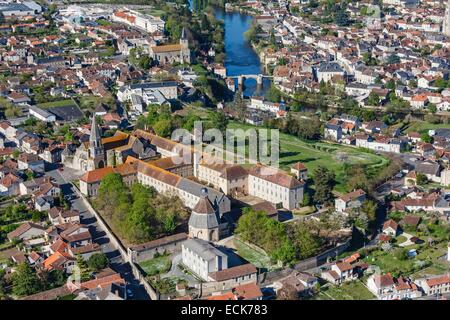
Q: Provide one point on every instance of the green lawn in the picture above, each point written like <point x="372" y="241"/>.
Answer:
<point x="257" y="258"/>
<point x="153" y="12"/>
<point x="58" y="103"/>
<point x="157" y="265"/>
<point x="89" y="102"/>
<point x="304" y="211"/>
<point x="400" y="239"/>
<point x="389" y="261"/>
<point x="314" y="154"/>
<point x="354" y="290"/>
<point x="423" y="126"/>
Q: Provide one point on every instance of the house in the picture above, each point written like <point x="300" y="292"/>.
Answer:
<point x="42" y="114"/>
<point x="10" y="185"/>
<point x="300" y="171"/>
<point x="60" y="216"/>
<point x="350" y="200"/>
<point x="202" y="258"/>
<point x="430" y="169"/>
<point x="419" y="101"/>
<point x="85" y="251"/>
<point x="275" y="186"/>
<point x="390" y="227"/>
<point x="328" y="70"/>
<point x="435" y="285"/>
<point x="27" y="231"/>
<point x="35" y="258"/>
<point x="250" y="291"/>
<point x="31" y="161"/>
<point x="59" y="261"/>
<point x="267" y="208"/>
<point x="43" y="203"/>
<point x="332" y="132"/>
<point x="410" y="221"/>
<point x="302" y="282"/>
<point x="385" y="287"/>
<point x="340" y="272"/>
<point x="230" y="277"/>
<point x="112" y="291"/>
<point x="374" y="126"/>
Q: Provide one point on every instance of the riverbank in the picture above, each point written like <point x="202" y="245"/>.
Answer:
<point x="241" y="56"/>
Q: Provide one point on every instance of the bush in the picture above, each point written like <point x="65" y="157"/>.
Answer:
<point x="97" y="261"/>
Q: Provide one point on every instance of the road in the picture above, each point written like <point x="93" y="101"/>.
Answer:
<point x="99" y="236"/>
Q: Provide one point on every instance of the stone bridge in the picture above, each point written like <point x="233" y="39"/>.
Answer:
<point x="258" y="77"/>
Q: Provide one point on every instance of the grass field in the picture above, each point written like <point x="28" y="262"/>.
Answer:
<point x="314" y="154"/>
<point x="156" y="266"/>
<point x="354" y="290"/>
<point x="59" y="103"/>
<point x="389" y="262"/>
<point x="423" y="126"/>
<point x="259" y="259"/>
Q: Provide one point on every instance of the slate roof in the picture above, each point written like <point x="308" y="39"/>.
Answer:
<point x="203" y="249"/>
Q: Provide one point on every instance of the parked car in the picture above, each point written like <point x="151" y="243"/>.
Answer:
<point x="130" y="293"/>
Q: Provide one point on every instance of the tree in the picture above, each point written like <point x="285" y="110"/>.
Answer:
<point x="306" y="199"/>
<point x="390" y="84"/>
<point x="425" y="137"/>
<point x="432" y="107"/>
<point x="306" y="243"/>
<point x="163" y="127"/>
<point x="324" y="181"/>
<point x="16" y="153"/>
<point x="273" y="94"/>
<point x="309" y="129"/>
<point x="256" y="227"/>
<point x="421" y="179"/>
<point x="341" y="18"/>
<point x="85" y="273"/>
<point x="111" y="193"/>
<point x="25" y="281"/>
<point x="373" y="99"/>
<point x="370" y="208"/>
<point x="97" y="261"/>
<point x="393" y="59"/>
<point x="218" y="120"/>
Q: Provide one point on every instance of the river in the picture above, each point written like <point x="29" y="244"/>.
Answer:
<point x="240" y="57"/>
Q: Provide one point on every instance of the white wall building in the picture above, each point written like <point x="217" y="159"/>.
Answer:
<point x="202" y="258"/>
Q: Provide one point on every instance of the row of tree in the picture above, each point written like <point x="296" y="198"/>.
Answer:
<point x="163" y="121"/>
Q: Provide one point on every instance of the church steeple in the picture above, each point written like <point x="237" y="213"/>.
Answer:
<point x="185" y="54"/>
<point x="95" y="138"/>
<point x="183" y="34"/>
<point x="96" y="152"/>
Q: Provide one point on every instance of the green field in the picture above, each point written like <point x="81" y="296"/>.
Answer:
<point x="423" y="126"/>
<point x="157" y="265"/>
<point x="257" y="258"/>
<point x="314" y="154"/>
<point x="354" y="290"/>
<point x="389" y="262"/>
<point x="58" y="103"/>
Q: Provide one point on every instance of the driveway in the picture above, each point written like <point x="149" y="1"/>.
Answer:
<point x="175" y="271"/>
<point x="408" y="241"/>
